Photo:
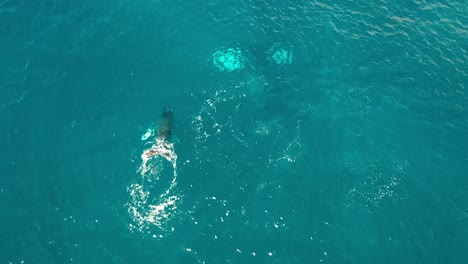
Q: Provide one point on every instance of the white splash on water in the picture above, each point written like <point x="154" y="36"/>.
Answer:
<point x="147" y="209"/>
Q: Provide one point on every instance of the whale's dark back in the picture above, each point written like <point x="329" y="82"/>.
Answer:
<point x="166" y="125"/>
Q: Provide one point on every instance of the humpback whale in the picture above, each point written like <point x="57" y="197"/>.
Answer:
<point x="165" y="127"/>
<point x="162" y="146"/>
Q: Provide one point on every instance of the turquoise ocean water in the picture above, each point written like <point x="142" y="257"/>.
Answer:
<point x="354" y="149"/>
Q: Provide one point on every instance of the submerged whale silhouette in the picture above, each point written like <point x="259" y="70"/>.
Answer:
<point x="162" y="146"/>
<point x="165" y="127"/>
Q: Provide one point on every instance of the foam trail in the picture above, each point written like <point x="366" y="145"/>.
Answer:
<point x="147" y="209"/>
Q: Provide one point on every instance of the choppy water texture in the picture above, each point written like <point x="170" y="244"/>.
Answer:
<point x="341" y="137"/>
